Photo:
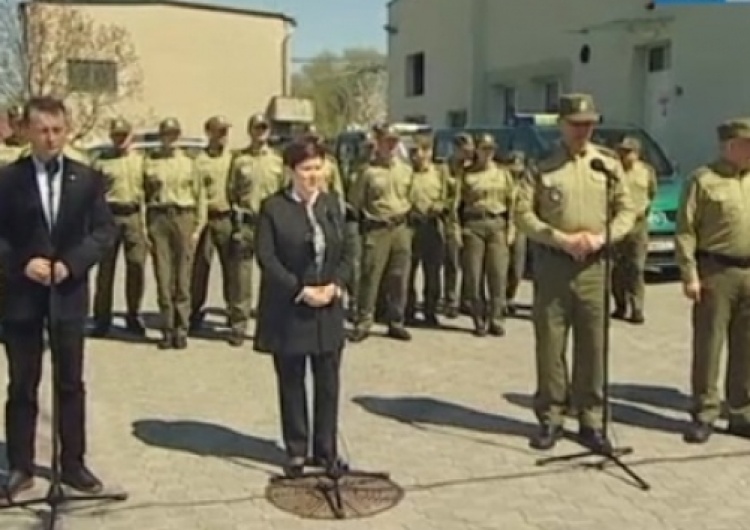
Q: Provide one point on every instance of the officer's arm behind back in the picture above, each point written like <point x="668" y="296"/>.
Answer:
<point x="685" y="229"/>
<point x="526" y="216"/>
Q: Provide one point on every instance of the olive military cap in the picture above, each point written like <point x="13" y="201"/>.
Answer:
<point x="216" y="123"/>
<point x="486" y="141"/>
<point x="629" y="143"/>
<point x="119" y="126"/>
<point x="423" y="141"/>
<point x="578" y="108"/>
<point x="463" y="139"/>
<point x="732" y="129"/>
<point x="257" y="119"/>
<point x="169" y="125"/>
<point x="516" y="160"/>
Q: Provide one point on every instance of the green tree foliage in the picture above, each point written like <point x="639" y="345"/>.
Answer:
<point x="347" y="88"/>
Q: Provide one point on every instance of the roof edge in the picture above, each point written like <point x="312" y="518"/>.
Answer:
<point x="186" y="4"/>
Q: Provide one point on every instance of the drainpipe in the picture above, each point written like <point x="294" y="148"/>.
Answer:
<point x="286" y="79"/>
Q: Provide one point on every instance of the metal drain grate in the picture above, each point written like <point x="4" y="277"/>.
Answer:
<point x="318" y="496"/>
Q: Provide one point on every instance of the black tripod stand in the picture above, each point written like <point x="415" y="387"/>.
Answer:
<point x="56" y="496"/>
<point x="609" y="454"/>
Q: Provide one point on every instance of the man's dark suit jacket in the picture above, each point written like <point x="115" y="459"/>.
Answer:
<point x="83" y="231"/>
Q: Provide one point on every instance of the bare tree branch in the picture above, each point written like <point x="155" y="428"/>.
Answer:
<point x="40" y="46"/>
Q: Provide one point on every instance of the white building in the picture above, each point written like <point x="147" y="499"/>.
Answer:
<point x="677" y="71"/>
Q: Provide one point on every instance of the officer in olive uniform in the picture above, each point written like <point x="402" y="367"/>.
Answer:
<point x="381" y="197"/>
<point x="212" y="166"/>
<point x="629" y="270"/>
<point x="123" y="170"/>
<point x="460" y="161"/>
<point x="713" y="252"/>
<point x="486" y="198"/>
<point x="332" y="181"/>
<point x="516" y="163"/>
<point x="175" y="217"/>
<point x="257" y="172"/>
<point x="429" y="194"/>
<point x="569" y="270"/>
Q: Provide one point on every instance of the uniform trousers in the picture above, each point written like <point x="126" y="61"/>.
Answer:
<point x="295" y="424"/>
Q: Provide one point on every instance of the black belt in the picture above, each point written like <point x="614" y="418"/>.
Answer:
<point x="391" y="222"/>
<point x="215" y="215"/>
<point x="171" y="209"/>
<point x="483" y="216"/>
<point x="119" y="208"/>
<point x="740" y="262"/>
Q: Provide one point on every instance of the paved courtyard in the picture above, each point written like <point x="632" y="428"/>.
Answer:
<point x="192" y="436"/>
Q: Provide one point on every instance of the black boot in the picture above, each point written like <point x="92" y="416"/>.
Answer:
<point x="167" y="340"/>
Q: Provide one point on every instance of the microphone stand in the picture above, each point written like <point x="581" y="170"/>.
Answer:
<point x="608" y="454"/>
<point x="56" y="495"/>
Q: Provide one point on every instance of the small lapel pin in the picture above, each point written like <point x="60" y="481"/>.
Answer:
<point x="72" y="177"/>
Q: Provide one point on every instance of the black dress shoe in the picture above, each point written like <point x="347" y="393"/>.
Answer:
<point x="546" y="437"/>
<point x="480" y="327"/>
<point x="619" y="313"/>
<point x="359" y="335"/>
<point x="18" y="482"/>
<point x="739" y="429"/>
<point x="100" y="330"/>
<point x="398" y="332"/>
<point x="236" y="339"/>
<point x="179" y="342"/>
<point x="167" y="341"/>
<point x="637" y="318"/>
<point x="82" y="479"/>
<point x="595" y="440"/>
<point x="698" y="433"/>
<point x="431" y="321"/>
<point x="134" y="325"/>
<point x="332" y="466"/>
<point x="294" y="467"/>
<point x="496" y="330"/>
<point x="451" y="313"/>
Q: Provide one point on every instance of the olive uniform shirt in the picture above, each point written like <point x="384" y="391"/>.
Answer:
<point x="429" y="190"/>
<point x="213" y="171"/>
<point x="562" y="194"/>
<point x="713" y="216"/>
<point x="382" y="190"/>
<point x="642" y="185"/>
<point x="256" y="173"/>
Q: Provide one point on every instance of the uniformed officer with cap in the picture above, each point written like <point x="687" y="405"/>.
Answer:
<point x="460" y="160"/>
<point x="176" y="215"/>
<point x="486" y="199"/>
<point x="569" y="270"/>
<point x="629" y="270"/>
<point x="381" y="198"/>
<point x="123" y="171"/>
<point x="713" y="252"/>
<point x="257" y="172"/>
<point x="331" y="181"/>
<point x="212" y="166"/>
<point x="516" y="163"/>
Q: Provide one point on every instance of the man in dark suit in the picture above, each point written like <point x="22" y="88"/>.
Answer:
<point x="54" y="227"/>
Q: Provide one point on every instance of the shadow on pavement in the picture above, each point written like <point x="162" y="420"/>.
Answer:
<point x="653" y="395"/>
<point x="207" y="439"/>
<point x="428" y="410"/>
<point x="621" y="413"/>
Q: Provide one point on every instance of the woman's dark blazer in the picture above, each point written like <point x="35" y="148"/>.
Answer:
<point x="284" y="246"/>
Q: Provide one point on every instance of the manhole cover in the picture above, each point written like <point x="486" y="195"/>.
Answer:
<point x="317" y="496"/>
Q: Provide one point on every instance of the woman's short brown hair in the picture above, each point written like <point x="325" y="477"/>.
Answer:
<point x="302" y="150"/>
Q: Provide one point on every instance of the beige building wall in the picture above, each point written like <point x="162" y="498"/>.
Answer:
<point x="198" y="61"/>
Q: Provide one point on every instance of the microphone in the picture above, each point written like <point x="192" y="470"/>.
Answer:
<point x="597" y="164"/>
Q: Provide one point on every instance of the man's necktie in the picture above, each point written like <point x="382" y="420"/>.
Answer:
<point x="51" y="167"/>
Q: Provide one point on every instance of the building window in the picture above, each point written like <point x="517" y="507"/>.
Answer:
<point x="658" y="58"/>
<point x="510" y="102"/>
<point x="457" y="118"/>
<point x="419" y="119"/>
<point x="415" y="74"/>
<point x="92" y="76"/>
<point x="551" y="95"/>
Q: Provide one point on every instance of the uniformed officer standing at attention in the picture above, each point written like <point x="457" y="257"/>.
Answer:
<point x="713" y="251"/>
<point x="123" y="170"/>
<point x="381" y="198"/>
<point x="628" y="273"/>
<point x="460" y="161"/>
<point x="486" y="198"/>
<point x="517" y="165"/>
<point x="257" y="172"/>
<point x="429" y="194"/>
<point x="212" y="166"/>
<point x="331" y="181"/>
<point x="175" y="216"/>
<point x="562" y="206"/>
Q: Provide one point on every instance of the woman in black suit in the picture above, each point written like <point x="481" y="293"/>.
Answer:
<point x="305" y="260"/>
